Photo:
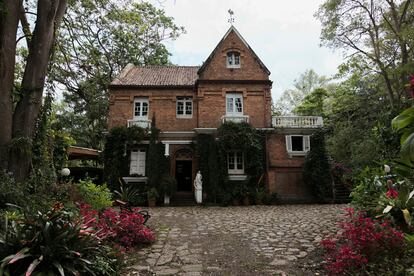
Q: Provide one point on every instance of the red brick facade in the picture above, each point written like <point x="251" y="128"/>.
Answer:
<point x="208" y="86"/>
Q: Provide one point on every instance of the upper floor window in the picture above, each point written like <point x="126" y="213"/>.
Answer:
<point x="233" y="60"/>
<point x="234" y="103"/>
<point x="184" y="107"/>
<point x="140" y="108"/>
<point x="235" y="162"/>
<point x="297" y="144"/>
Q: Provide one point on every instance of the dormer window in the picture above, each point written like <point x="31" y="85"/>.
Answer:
<point x="233" y="60"/>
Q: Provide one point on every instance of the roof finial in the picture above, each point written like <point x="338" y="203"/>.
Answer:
<point x="231" y="19"/>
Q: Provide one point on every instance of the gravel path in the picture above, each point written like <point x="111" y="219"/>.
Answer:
<point x="253" y="240"/>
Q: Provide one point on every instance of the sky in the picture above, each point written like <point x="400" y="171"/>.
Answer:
<point x="284" y="34"/>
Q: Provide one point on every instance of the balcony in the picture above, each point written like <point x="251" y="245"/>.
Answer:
<point x="297" y="122"/>
<point x="144" y="123"/>
<point x="235" y="118"/>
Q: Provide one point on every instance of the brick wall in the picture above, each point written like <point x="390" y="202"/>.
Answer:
<point x="212" y="103"/>
<point x="216" y="68"/>
<point x="162" y="102"/>
<point x="285" y="173"/>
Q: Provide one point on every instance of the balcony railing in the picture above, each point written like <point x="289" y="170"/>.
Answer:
<point x="235" y="118"/>
<point x="297" y="122"/>
<point x="144" y="123"/>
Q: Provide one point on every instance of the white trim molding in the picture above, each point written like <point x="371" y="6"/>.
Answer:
<point x="174" y="142"/>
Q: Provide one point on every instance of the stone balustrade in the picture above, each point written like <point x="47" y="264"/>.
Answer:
<point x="297" y="122"/>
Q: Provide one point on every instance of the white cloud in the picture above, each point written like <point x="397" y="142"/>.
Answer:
<point x="284" y="34"/>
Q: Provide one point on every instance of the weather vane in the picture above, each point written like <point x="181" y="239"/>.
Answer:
<point x="231" y="19"/>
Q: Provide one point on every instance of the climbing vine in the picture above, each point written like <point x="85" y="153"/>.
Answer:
<point x="316" y="169"/>
<point x="117" y="152"/>
<point x="212" y="156"/>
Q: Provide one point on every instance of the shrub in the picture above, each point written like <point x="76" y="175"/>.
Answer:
<point x="316" y="169"/>
<point x="97" y="196"/>
<point x="125" y="228"/>
<point x="11" y="192"/>
<point x="362" y="243"/>
<point x="50" y="243"/>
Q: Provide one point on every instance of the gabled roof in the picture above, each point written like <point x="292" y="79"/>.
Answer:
<point x="157" y="76"/>
<point x="232" y="28"/>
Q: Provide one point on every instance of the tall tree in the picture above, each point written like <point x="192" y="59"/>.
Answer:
<point x="378" y="34"/>
<point x="40" y="36"/>
<point x="306" y="83"/>
<point x="9" y="19"/>
<point x="98" y="39"/>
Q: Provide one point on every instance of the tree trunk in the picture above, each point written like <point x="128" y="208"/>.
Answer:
<point x="9" y="18"/>
<point x="49" y="14"/>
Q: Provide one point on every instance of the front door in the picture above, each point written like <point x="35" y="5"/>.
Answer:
<point x="183" y="172"/>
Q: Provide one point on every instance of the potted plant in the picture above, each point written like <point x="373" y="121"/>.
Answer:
<point x="259" y="195"/>
<point x="152" y="195"/>
<point x="168" y="185"/>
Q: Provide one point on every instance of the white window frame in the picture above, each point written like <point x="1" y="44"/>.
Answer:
<point x="231" y="59"/>
<point x="141" y="102"/>
<point x="232" y="97"/>
<point x="139" y="165"/>
<point x="235" y="155"/>
<point x="305" y="146"/>
<point x="185" y="101"/>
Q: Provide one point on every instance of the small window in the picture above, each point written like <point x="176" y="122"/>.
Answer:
<point x="233" y="60"/>
<point x="184" y="107"/>
<point x="234" y="103"/>
<point x="235" y="162"/>
<point x="140" y="108"/>
<point x="297" y="144"/>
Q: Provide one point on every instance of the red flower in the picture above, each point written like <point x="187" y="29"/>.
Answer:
<point x="392" y="193"/>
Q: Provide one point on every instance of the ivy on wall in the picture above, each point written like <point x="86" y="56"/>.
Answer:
<point x="316" y="169"/>
<point x="212" y="156"/>
<point x="117" y="152"/>
<point x="208" y="164"/>
<point x="158" y="164"/>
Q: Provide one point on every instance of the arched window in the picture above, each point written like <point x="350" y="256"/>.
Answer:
<point x="233" y="60"/>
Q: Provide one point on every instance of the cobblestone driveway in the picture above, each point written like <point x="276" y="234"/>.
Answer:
<point x="254" y="240"/>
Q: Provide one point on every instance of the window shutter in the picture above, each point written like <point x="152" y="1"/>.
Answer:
<point x="306" y="142"/>
<point x="288" y="143"/>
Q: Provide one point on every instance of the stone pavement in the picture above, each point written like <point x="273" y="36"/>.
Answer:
<point x="253" y="240"/>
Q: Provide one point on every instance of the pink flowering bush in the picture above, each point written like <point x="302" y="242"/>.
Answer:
<point x="125" y="228"/>
<point x="361" y="243"/>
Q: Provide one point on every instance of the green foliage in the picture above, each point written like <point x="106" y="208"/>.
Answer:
<point x="208" y="164"/>
<point x="404" y="124"/>
<point x="98" y="196"/>
<point x="316" y="169"/>
<point x="312" y="104"/>
<point x="50" y="243"/>
<point x="213" y="166"/>
<point x="350" y="25"/>
<point x="158" y="164"/>
<point x="167" y="185"/>
<point x="97" y="40"/>
<point x="152" y="193"/>
<point x="11" y="192"/>
<point x="357" y="121"/>
<point x="245" y="138"/>
<point x="307" y="82"/>
<point x="117" y="152"/>
<point x="129" y="194"/>
<point x="368" y="189"/>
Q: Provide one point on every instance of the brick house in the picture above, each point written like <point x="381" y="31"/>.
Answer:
<point x="232" y="85"/>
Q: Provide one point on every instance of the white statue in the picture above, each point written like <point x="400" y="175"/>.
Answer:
<point x="198" y="188"/>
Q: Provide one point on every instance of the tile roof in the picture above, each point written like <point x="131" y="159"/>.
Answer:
<point x="157" y="76"/>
